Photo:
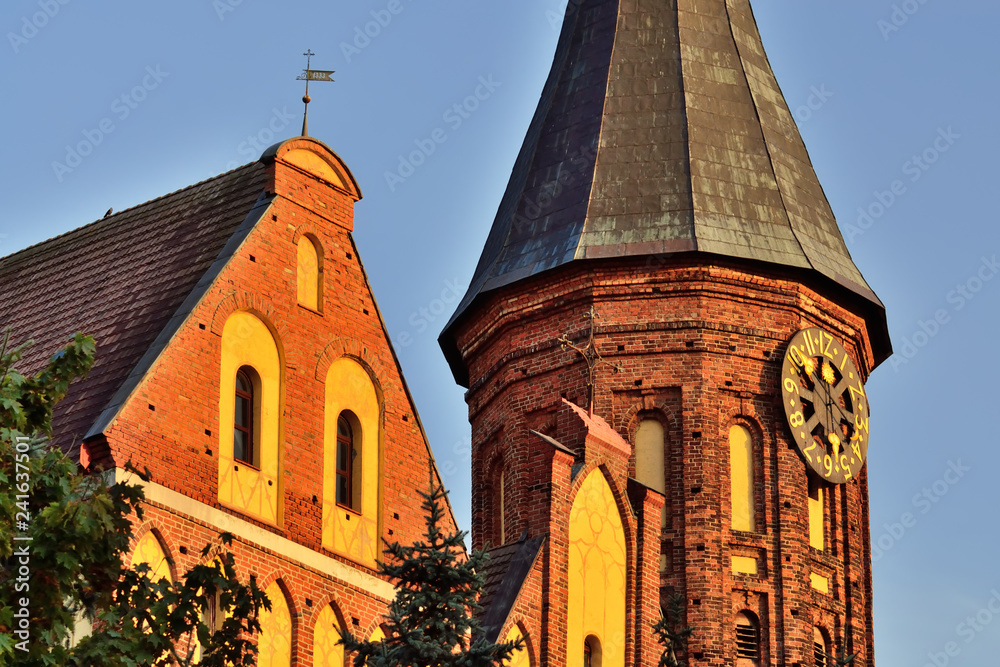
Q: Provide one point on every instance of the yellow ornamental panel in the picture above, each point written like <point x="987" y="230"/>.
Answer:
<point x="517" y="658"/>
<point x="252" y="487"/>
<point x="307" y="274"/>
<point x="596" y="574"/>
<point x="274" y="647"/>
<point x="816" y="536"/>
<point x="149" y="551"/>
<point x="351" y="527"/>
<point x="326" y="652"/>
<point x="741" y="477"/>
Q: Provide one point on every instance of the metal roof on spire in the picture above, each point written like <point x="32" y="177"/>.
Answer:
<point x="662" y="130"/>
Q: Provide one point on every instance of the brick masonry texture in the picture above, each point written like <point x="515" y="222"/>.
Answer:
<point x="697" y="345"/>
<point x="170" y="422"/>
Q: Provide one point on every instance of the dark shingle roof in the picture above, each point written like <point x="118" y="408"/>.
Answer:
<point x="506" y="572"/>
<point x="662" y="130"/>
<point x="120" y="280"/>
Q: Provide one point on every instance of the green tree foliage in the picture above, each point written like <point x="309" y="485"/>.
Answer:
<point x="432" y="620"/>
<point x="64" y="537"/>
<point x="672" y="633"/>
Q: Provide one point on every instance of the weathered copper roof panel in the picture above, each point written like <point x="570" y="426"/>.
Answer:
<point x="662" y="129"/>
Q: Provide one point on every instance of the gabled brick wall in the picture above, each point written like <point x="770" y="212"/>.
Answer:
<point x="170" y="422"/>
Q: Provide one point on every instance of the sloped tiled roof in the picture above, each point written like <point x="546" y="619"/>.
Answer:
<point x="121" y="280"/>
<point x="506" y="572"/>
<point x="661" y="130"/>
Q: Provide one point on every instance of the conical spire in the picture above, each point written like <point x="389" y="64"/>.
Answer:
<point x="661" y="129"/>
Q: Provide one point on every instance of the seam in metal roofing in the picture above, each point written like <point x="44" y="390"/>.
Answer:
<point x="662" y="130"/>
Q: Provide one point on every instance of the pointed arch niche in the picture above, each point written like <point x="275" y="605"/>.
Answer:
<point x="597" y="577"/>
<point x="250" y="484"/>
<point x="326" y="634"/>
<point x="350" y="522"/>
<point x="309" y="273"/>
<point x="274" y="646"/>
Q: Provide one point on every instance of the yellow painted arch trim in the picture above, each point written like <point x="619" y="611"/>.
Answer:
<point x="597" y="573"/>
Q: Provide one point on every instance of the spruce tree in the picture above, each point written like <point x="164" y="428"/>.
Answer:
<point x="432" y="621"/>
<point x="672" y="633"/>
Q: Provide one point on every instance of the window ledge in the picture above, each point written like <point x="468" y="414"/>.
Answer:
<point x="311" y="310"/>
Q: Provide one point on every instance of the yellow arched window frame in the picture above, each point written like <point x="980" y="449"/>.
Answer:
<point x="326" y="635"/>
<point x="250" y="390"/>
<point x="597" y="574"/>
<point x="309" y="273"/>
<point x="274" y="646"/>
<point x="351" y="463"/>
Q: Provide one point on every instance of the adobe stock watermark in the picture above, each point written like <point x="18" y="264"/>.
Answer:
<point x="924" y="501"/>
<point x="21" y="555"/>
<point x="364" y="34"/>
<point x="121" y="108"/>
<point x="914" y="169"/>
<point x="817" y="99"/>
<point x="899" y="17"/>
<point x="422" y="318"/>
<point x="461" y="453"/>
<point x="223" y="7"/>
<point x="31" y="25"/>
<point x="255" y="144"/>
<point x="555" y="16"/>
<point x="454" y="116"/>
<point x="958" y="299"/>
<point x="970" y="628"/>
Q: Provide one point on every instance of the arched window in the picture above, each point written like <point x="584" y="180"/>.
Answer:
<point x="351" y="463"/>
<point x="309" y="274"/>
<point x="502" y="490"/>
<point x="820" y="648"/>
<point x="591" y="651"/>
<point x="741" y="477"/>
<point x="243" y="417"/>
<point x="650" y="460"/>
<point x="816" y="521"/>
<point x="347" y="453"/>
<point x="327" y="652"/>
<point x="251" y="376"/>
<point x="274" y="646"/>
<point x="747" y="639"/>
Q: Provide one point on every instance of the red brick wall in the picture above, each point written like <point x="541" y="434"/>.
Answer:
<point x="170" y="423"/>
<point x="699" y="346"/>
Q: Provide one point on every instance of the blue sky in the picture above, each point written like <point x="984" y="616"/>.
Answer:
<point x="901" y="126"/>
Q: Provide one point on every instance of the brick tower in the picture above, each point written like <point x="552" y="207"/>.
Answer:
<point x="661" y="241"/>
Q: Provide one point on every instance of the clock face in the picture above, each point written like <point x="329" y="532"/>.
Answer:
<point x="825" y="405"/>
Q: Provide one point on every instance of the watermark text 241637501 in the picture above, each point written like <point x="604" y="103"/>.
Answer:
<point x="30" y="25"/>
<point x="21" y="557"/>
<point x="122" y="107"/>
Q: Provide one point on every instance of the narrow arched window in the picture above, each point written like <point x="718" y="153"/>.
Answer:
<point x="650" y="459"/>
<point x="502" y="492"/>
<point x="345" y="462"/>
<point x="741" y="477"/>
<point x="308" y="274"/>
<point x="747" y="639"/>
<point x="243" y="417"/>
<point x="820" y="649"/>
<point x="591" y="651"/>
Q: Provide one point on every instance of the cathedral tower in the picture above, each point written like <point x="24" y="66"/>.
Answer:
<point x="665" y="343"/>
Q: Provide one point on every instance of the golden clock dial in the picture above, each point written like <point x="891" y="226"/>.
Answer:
<point x="825" y="403"/>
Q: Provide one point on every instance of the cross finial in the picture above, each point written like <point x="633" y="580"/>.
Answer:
<point x="590" y="356"/>
<point x="308" y="75"/>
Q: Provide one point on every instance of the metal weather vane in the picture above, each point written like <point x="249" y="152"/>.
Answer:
<point x="590" y="356"/>
<point x="307" y="76"/>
